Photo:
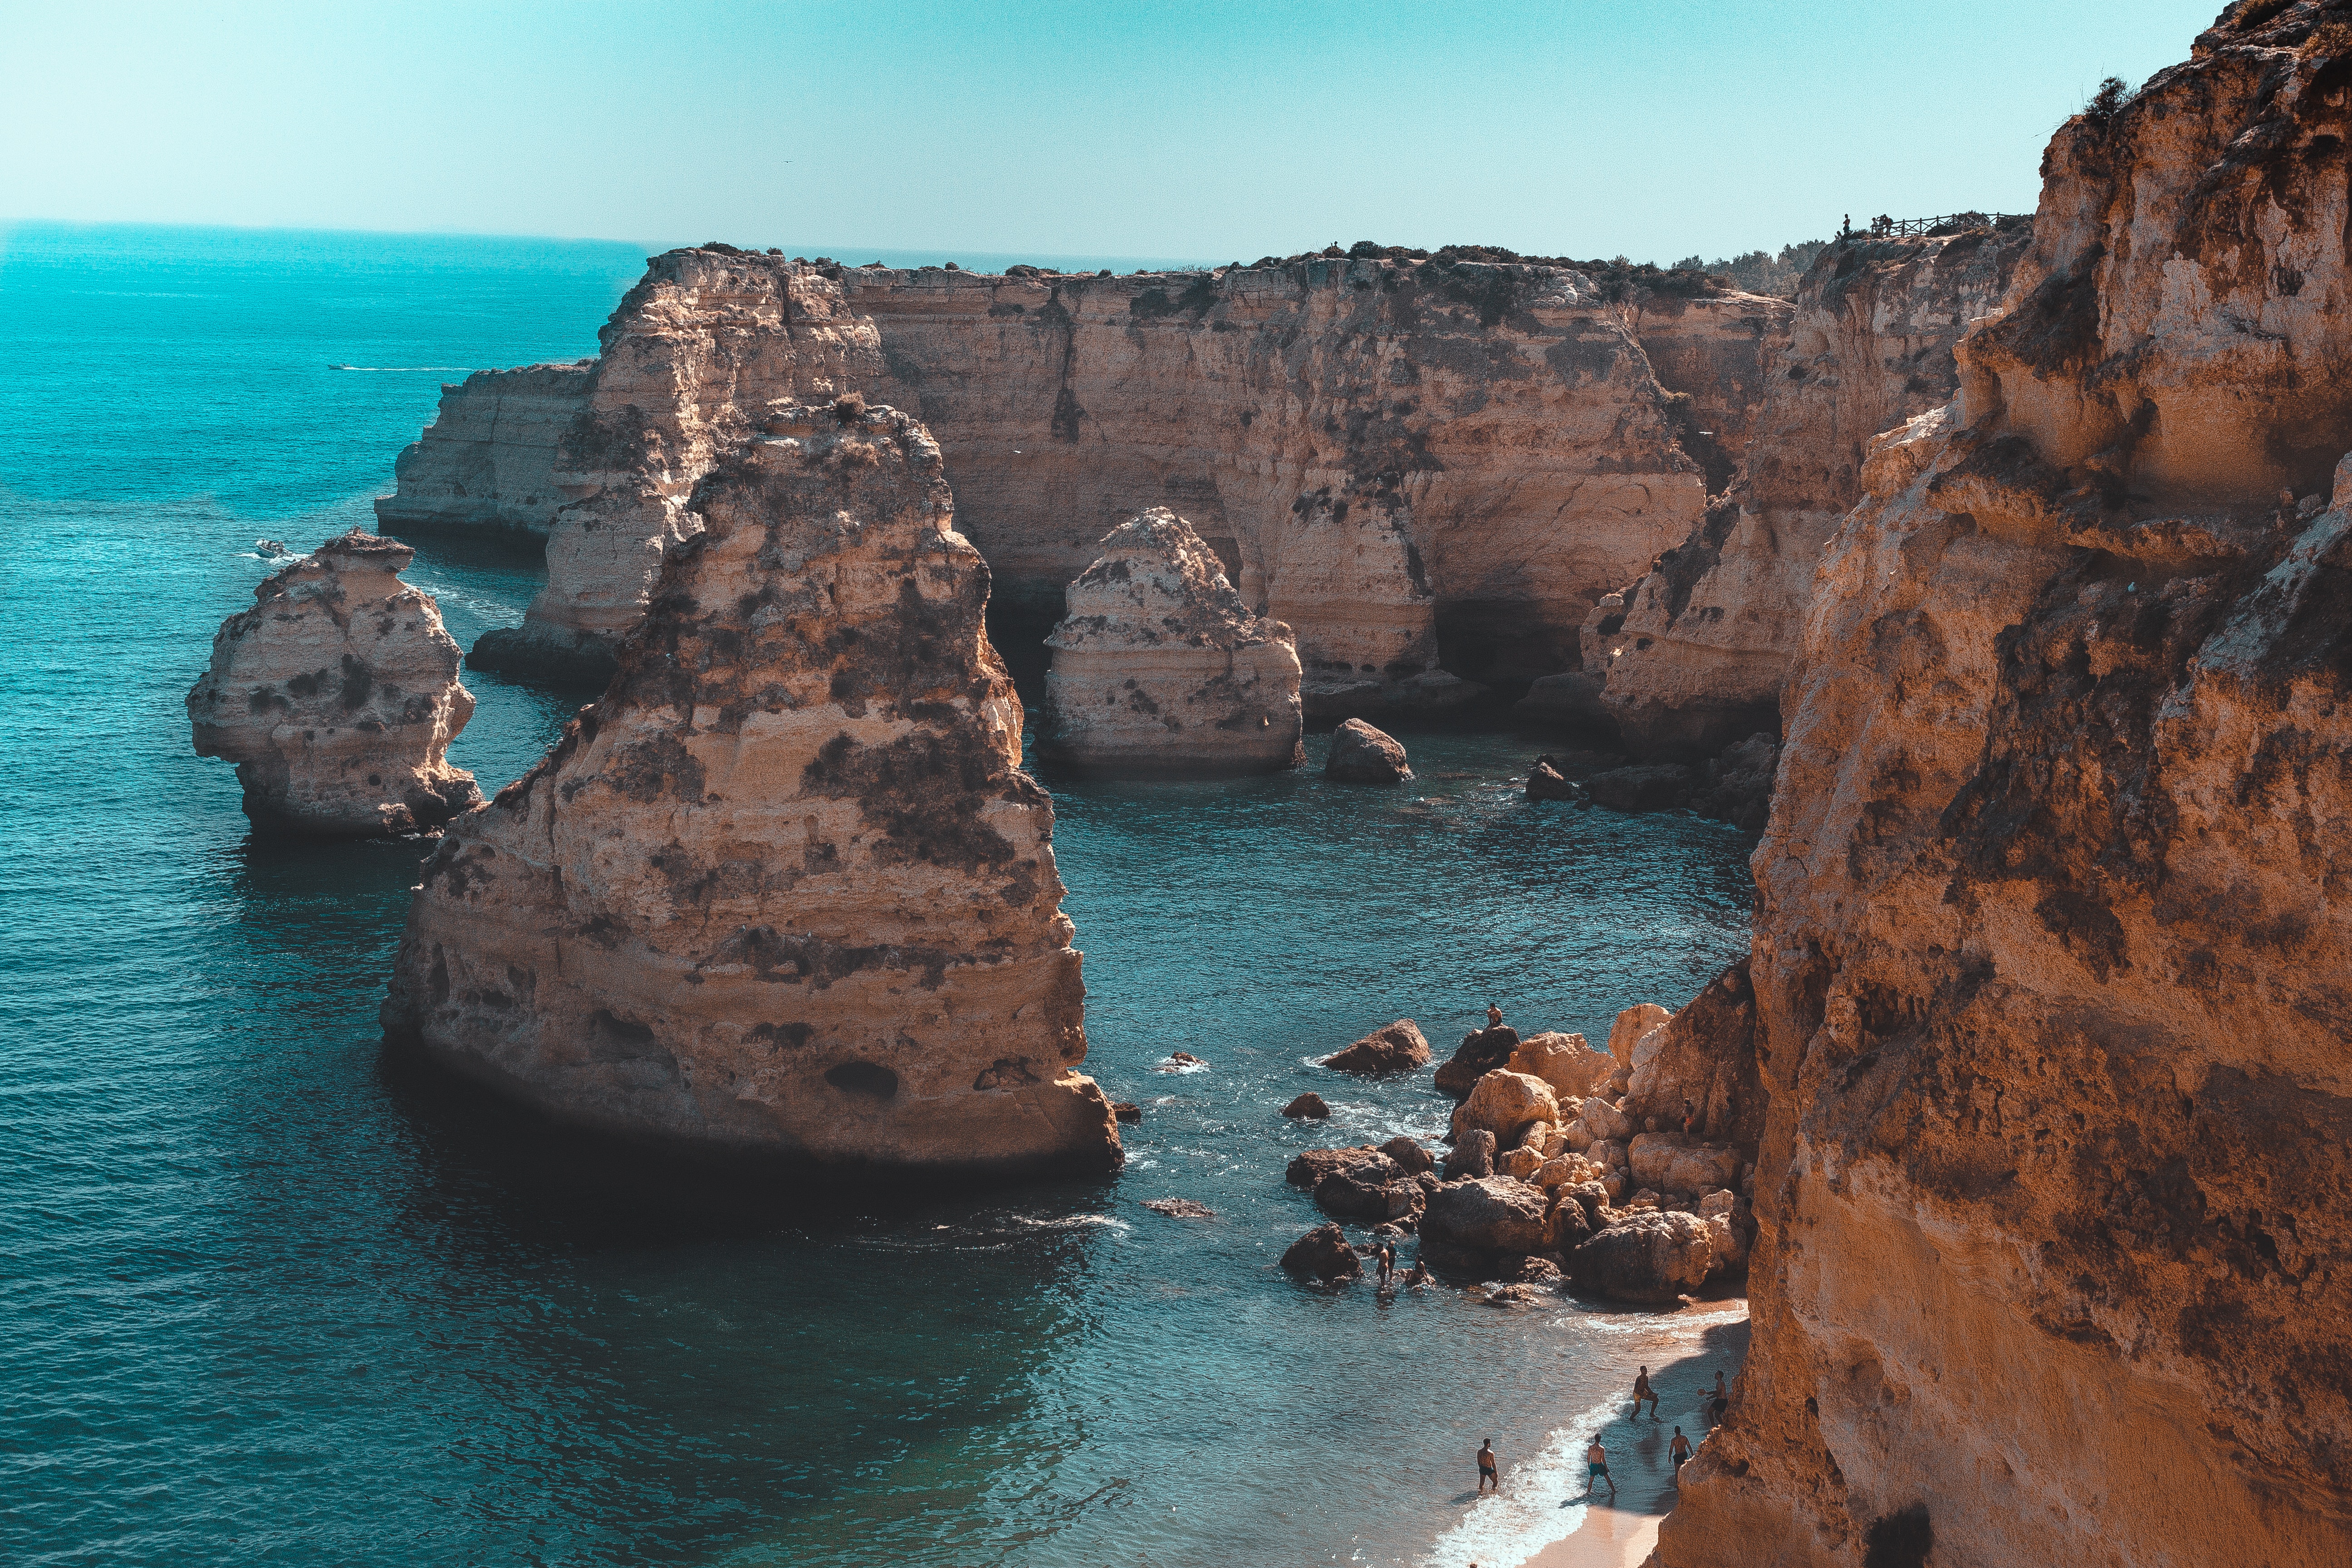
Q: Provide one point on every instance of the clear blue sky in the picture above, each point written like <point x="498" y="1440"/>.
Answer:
<point x="1206" y="129"/>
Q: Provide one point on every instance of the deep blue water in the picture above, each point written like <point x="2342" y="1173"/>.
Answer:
<point x="268" y="1297"/>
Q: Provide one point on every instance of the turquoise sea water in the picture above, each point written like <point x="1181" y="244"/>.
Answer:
<point x="269" y="1297"/>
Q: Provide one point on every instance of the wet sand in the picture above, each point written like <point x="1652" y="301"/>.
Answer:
<point x="1619" y="1532"/>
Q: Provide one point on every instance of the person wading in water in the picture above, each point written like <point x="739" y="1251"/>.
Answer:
<point x="1680" y="1448"/>
<point x="1642" y="1391"/>
<point x="1486" y="1470"/>
<point x="1596" y="1466"/>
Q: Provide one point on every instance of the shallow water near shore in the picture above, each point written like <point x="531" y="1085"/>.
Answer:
<point x="274" y="1297"/>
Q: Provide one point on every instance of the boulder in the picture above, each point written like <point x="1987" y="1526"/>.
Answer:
<point x="1374" y="1190"/>
<point x="1310" y="1166"/>
<point x="1631" y="1026"/>
<point x="1323" y="1253"/>
<point x="1652" y="1257"/>
<point x="1654" y="787"/>
<point x="1480" y="1052"/>
<point x="1567" y="1222"/>
<point x="1705" y="1055"/>
<point x="1522" y="1163"/>
<point x="1307" y="1107"/>
<point x="1362" y="755"/>
<point x="1681" y="1165"/>
<point x="1473" y="1156"/>
<point x="336" y="694"/>
<point x="1546" y="781"/>
<point x="1577" y="1136"/>
<point x="1126" y="1111"/>
<point x="1399" y="1047"/>
<point x="1506" y="1104"/>
<point x="1593" y="1197"/>
<point x="1737" y="786"/>
<point x="1564" y="1061"/>
<point x="1495" y="1213"/>
<point x="1410" y="1156"/>
<point x="1607" y="1153"/>
<point x="1723" y="1236"/>
<point x="1604" y="1121"/>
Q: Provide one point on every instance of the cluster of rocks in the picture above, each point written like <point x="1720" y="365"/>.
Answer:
<point x="1624" y="1173"/>
<point x="1734" y="786"/>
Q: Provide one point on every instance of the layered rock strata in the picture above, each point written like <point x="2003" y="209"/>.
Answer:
<point x="1692" y="656"/>
<point x="783" y="891"/>
<point x="1389" y="455"/>
<point x="696" y="359"/>
<point x="488" y="459"/>
<point x="2050" y="960"/>
<point x="1161" y="670"/>
<point x="336" y="697"/>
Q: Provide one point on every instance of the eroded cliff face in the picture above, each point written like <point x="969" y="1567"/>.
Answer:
<point x="2053" y="942"/>
<point x="1692" y="657"/>
<point x="1160" y="669"/>
<point x="1398" y="459"/>
<point x="336" y="694"/>
<point x="784" y="891"/>
<point x="488" y="458"/>
<point x="696" y="357"/>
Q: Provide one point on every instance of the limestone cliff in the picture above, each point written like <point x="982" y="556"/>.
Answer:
<point x="1693" y="655"/>
<point x="488" y="458"/>
<point x="695" y="358"/>
<point x="336" y="697"/>
<point x="1397" y="457"/>
<point x="1160" y="669"/>
<point x="783" y="893"/>
<point x="2050" y="963"/>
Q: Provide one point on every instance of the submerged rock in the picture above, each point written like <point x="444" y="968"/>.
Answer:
<point x="336" y="697"/>
<point x="1309" y="1107"/>
<point x="1362" y="755"/>
<point x="784" y="892"/>
<point x="1398" y="1047"/>
<point x="1180" y="1208"/>
<point x="1160" y="669"/>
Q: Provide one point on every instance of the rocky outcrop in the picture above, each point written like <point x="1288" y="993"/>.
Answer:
<point x="1569" y="1066"/>
<point x="1395" y="456"/>
<point x="1396" y="1047"/>
<point x="1362" y="755"/>
<point x="336" y="697"/>
<point x="1692" y="656"/>
<point x="2050" y="966"/>
<point x="1480" y="1053"/>
<point x="1653" y="1257"/>
<point x="783" y="893"/>
<point x="1307" y="1107"/>
<point x="1160" y="670"/>
<point x="1507" y="1104"/>
<point x="488" y="459"/>
<point x="696" y="360"/>
<point x="1323" y="1254"/>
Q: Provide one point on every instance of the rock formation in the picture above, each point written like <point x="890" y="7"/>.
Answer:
<point x="1692" y="656"/>
<point x="1323" y="1254"/>
<point x="1394" y="456"/>
<point x="1396" y="1047"/>
<point x="1160" y="670"/>
<point x="1362" y="755"/>
<point x="1307" y="1107"/>
<point x="783" y="893"/>
<point x="1480" y="1053"/>
<point x="696" y="358"/>
<point x="2048" y="964"/>
<point x="336" y="697"/>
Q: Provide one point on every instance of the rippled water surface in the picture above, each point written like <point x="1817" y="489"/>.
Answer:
<point x="268" y="1297"/>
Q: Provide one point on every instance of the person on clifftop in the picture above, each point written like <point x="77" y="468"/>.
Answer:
<point x="1596" y="1466"/>
<point x="1486" y="1470"/>
<point x="1642" y="1391"/>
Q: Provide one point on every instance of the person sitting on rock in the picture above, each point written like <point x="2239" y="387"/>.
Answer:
<point x="1642" y="1391"/>
<point x="1596" y="1466"/>
<point x="1680" y="1448"/>
<point x="1494" y="1016"/>
<point x="1486" y="1470"/>
<point x="1416" y="1276"/>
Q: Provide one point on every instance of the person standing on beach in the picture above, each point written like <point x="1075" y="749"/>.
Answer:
<point x="1596" y="1466"/>
<point x="1486" y="1470"/>
<point x="1680" y="1448"/>
<point x="1642" y="1391"/>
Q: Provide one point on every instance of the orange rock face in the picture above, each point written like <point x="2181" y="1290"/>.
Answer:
<point x="1692" y="657"/>
<point x="2052" y="951"/>
<point x="784" y="891"/>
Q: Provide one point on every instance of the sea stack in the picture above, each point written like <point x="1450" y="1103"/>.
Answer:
<point x="336" y="697"/>
<point x="784" y="892"/>
<point x="1160" y="669"/>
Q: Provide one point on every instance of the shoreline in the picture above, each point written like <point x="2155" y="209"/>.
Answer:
<point x="1515" y="1528"/>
